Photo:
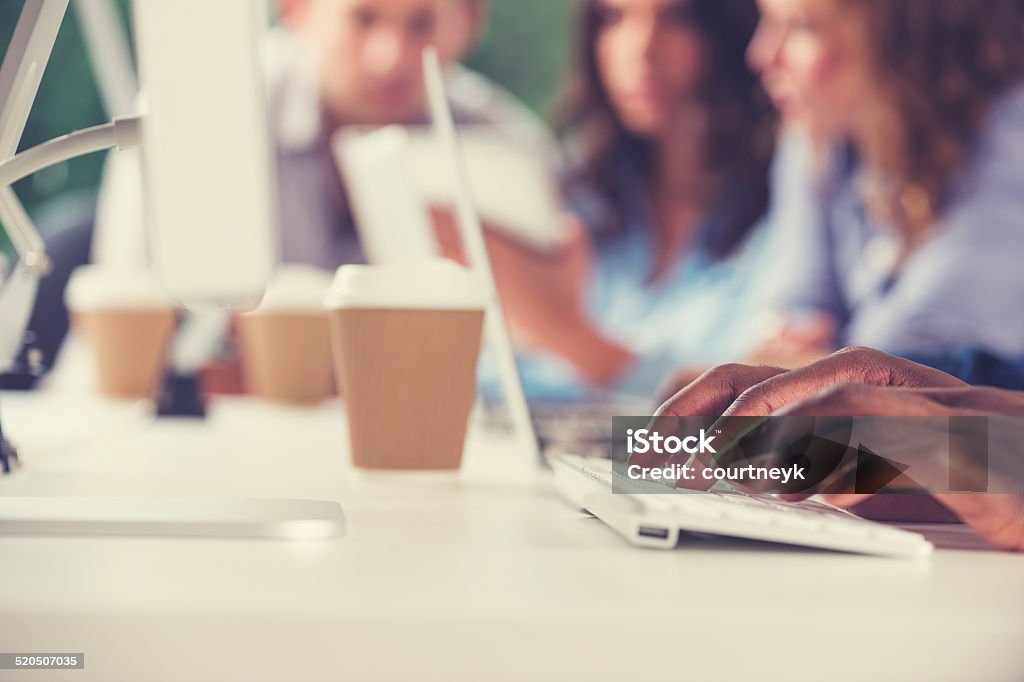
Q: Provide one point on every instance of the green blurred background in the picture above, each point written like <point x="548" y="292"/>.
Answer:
<point x="525" y="48"/>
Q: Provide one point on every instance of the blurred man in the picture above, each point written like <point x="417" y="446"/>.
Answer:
<point x="335" y="63"/>
<point x="330" y="64"/>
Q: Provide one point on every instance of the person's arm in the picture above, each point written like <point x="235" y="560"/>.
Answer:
<point x="741" y="390"/>
<point x="997" y="516"/>
<point x="859" y="381"/>
<point x="542" y="296"/>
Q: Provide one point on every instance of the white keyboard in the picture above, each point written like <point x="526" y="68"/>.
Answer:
<point x="653" y="515"/>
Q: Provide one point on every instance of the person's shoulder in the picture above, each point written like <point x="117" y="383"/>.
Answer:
<point x="473" y="93"/>
<point x="477" y="99"/>
<point x="993" y="172"/>
<point x="292" y="91"/>
<point x="983" y="213"/>
<point x="1001" y="135"/>
<point x="1009" y="108"/>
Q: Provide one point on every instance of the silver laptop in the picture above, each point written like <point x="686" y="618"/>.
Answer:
<point x="650" y="514"/>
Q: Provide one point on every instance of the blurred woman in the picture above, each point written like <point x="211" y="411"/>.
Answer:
<point x="912" y="237"/>
<point x="671" y="139"/>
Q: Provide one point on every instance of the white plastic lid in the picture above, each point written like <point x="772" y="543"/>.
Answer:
<point x="298" y="288"/>
<point x="434" y="284"/>
<point x="94" y="287"/>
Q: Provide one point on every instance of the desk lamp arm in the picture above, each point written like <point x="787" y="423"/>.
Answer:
<point x="122" y="133"/>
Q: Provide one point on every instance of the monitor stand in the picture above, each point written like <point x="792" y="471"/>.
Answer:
<point x="279" y="519"/>
<point x="294" y="520"/>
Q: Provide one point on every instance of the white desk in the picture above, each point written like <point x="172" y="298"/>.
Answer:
<point x="488" y="577"/>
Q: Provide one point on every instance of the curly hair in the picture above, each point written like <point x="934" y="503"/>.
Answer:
<point x="741" y="121"/>
<point x="936" y="67"/>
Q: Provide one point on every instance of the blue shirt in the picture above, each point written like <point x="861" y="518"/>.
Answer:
<point x="697" y="315"/>
<point x="961" y="287"/>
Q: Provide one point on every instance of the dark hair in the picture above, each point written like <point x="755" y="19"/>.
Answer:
<point x="740" y="118"/>
<point x="936" y="68"/>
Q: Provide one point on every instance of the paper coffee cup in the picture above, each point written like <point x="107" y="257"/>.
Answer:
<point x="128" y="321"/>
<point x="406" y="342"/>
<point x="285" y="344"/>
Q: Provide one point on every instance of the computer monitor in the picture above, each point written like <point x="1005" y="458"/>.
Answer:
<point x="207" y="154"/>
<point x="208" y="163"/>
<point x="472" y="233"/>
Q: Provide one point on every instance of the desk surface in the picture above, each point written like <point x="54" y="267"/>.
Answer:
<point x="487" y="575"/>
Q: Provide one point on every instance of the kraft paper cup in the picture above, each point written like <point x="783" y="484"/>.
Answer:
<point x="127" y="320"/>
<point x="285" y="344"/>
<point x="406" y="341"/>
